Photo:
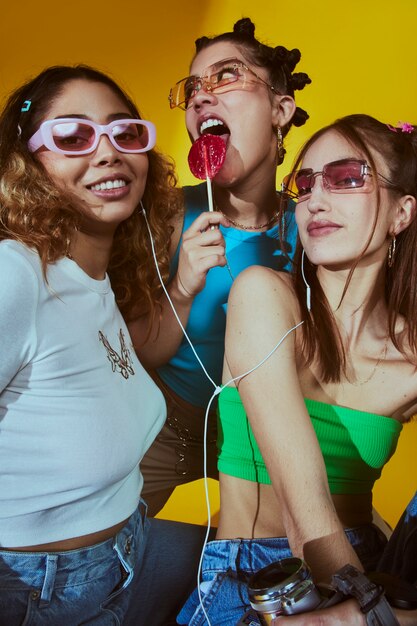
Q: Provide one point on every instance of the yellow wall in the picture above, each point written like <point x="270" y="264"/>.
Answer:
<point x="362" y="57"/>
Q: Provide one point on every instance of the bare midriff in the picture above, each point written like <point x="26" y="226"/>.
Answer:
<point x="74" y="543"/>
<point x="250" y="510"/>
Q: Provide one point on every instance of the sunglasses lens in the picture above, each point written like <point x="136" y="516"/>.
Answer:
<point x="219" y="77"/>
<point x="73" y="136"/>
<point x="347" y="174"/>
<point x="303" y="182"/>
<point x="190" y="87"/>
<point x="183" y="91"/>
<point x="288" y="187"/>
<point x="130" y="135"/>
<point x="224" y="75"/>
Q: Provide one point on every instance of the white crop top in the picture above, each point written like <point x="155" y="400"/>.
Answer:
<point x="77" y="409"/>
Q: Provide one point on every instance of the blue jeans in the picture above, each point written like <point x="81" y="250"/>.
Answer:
<point x="228" y="565"/>
<point x="140" y="577"/>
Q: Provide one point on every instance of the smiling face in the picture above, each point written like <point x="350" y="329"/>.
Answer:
<point x="108" y="183"/>
<point x="246" y="118"/>
<point x="335" y="227"/>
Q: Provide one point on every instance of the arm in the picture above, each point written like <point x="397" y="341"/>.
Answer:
<point x="262" y="308"/>
<point x="18" y="303"/>
<point x="202" y="248"/>
<point x="344" y="614"/>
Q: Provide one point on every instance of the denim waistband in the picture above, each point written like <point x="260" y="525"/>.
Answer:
<point x="244" y="554"/>
<point x="59" y="569"/>
<point x="251" y="554"/>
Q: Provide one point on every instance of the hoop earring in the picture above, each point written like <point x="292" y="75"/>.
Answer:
<point x="280" y="145"/>
<point x="391" y="252"/>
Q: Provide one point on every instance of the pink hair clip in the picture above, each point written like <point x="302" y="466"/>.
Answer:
<point x="404" y="127"/>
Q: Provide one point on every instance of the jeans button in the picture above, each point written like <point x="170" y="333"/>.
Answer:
<point x="35" y="595"/>
<point x="128" y="545"/>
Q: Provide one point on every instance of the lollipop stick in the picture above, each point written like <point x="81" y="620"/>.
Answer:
<point x="209" y="195"/>
<point x="209" y="187"/>
<point x="210" y="199"/>
<point x="208" y="178"/>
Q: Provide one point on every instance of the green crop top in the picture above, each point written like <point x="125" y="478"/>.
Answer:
<point x="355" y="444"/>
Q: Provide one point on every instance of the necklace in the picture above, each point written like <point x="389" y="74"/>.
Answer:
<point x="272" y="219"/>
<point x="381" y="358"/>
<point x="244" y="227"/>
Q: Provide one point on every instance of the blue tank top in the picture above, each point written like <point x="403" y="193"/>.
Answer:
<point x="207" y="321"/>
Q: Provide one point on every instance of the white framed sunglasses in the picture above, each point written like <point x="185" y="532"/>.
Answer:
<point x="77" y="136"/>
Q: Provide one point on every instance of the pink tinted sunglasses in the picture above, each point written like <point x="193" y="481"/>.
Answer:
<point x="77" y="136"/>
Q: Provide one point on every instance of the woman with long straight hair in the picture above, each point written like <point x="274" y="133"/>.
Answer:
<point x="320" y="370"/>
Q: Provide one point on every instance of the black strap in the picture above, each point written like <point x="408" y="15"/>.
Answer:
<point x="381" y="615"/>
<point x="370" y="596"/>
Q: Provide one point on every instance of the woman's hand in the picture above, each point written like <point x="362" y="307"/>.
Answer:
<point x="344" y="614"/>
<point x="202" y="248"/>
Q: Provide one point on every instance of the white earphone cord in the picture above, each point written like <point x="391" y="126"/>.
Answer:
<point x="308" y="288"/>
<point x="216" y="392"/>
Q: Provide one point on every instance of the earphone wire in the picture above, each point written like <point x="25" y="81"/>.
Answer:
<point x="308" y="288"/>
<point x="217" y="390"/>
<point x="170" y="301"/>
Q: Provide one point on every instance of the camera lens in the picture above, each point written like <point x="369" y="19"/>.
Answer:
<point x="282" y="588"/>
<point x="275" y="574"/>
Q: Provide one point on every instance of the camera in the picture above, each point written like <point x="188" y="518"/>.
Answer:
<point x="285" y="587"/>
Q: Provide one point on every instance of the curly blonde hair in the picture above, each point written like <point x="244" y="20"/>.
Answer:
<point x="34" y="211"/>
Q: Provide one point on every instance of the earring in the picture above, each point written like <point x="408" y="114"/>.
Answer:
<point x="283" y="229"/>
<point x="280" y="145"/>
<point x="391" y="252"/>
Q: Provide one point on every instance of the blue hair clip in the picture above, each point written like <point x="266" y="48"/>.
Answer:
<point x="26" y="106"/>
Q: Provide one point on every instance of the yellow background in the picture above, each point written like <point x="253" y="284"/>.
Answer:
<point x="362" y="57"/>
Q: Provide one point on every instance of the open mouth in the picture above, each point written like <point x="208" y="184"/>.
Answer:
<point x="214" y="126"/>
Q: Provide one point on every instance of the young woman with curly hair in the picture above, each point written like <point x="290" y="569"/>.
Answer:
<point x="77" y="409"/>
<point x="38" y="214"/>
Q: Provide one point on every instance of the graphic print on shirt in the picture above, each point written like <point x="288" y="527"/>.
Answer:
<point x="121" y="363"/>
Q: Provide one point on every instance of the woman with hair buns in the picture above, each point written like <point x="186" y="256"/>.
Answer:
<point x="243" y="91"/>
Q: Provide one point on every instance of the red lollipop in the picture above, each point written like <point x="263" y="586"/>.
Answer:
<point x="206" y="156"/>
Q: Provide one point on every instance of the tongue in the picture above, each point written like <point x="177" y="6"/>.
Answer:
<point x="206" y="156"/>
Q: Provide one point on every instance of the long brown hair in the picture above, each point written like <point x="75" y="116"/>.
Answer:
<point x="36" y="212"/>
<point x="321" y="338"/>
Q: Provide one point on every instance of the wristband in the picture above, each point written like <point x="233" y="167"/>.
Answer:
<point x="370" y="596"/>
